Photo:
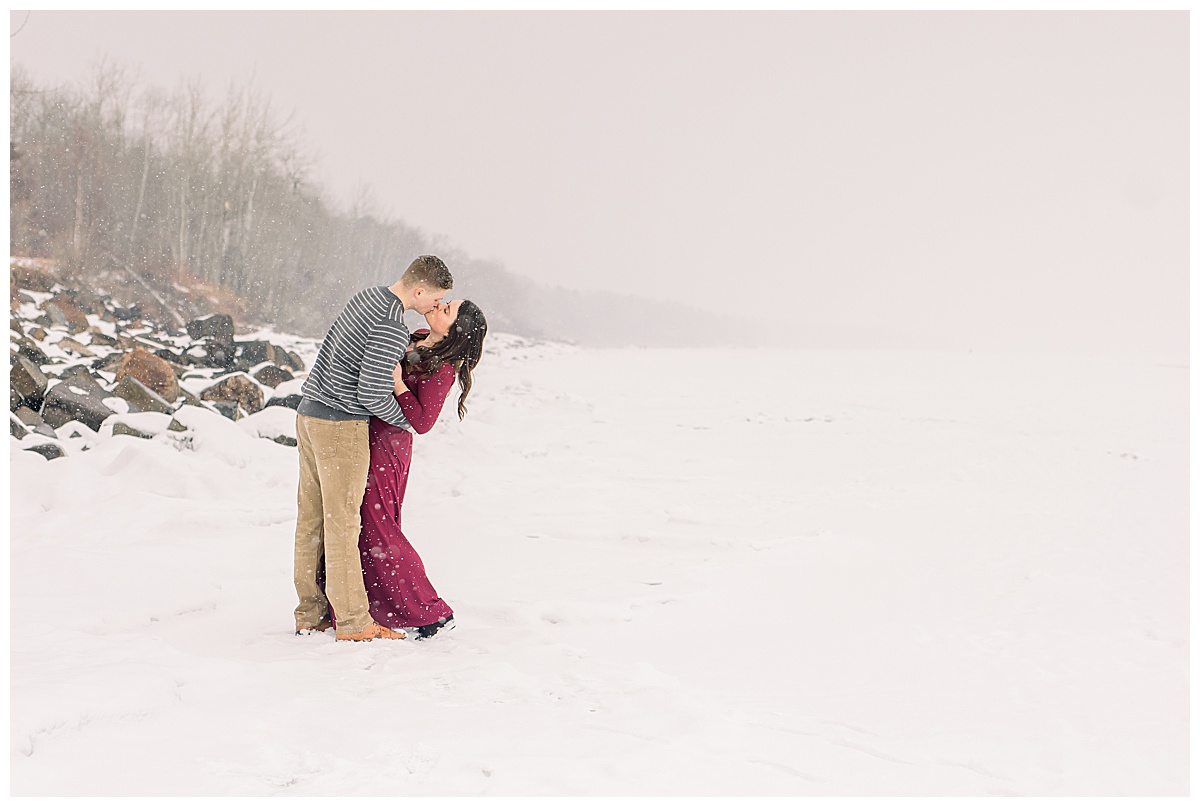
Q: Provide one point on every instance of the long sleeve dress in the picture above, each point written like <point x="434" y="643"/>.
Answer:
<point x="398" y="590"/>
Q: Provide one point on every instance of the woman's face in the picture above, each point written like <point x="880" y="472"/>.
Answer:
<point x="442" y="316"/>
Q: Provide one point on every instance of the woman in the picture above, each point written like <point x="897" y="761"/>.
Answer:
<point x="398" y="591"/>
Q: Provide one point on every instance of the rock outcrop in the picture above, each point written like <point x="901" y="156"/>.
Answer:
<point x="79" y="358"/>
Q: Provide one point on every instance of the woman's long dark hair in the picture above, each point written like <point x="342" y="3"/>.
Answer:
<point x="462" y="347"/>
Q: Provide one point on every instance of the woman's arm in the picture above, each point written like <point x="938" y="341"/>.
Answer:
<point x="423" y="405"/>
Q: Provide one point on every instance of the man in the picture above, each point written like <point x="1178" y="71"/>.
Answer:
<point x="350" y="381"/>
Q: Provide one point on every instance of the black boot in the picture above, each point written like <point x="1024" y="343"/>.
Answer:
<point x="425" y="631"/>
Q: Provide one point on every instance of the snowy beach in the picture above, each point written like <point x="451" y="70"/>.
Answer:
<point x="674" y="572"/>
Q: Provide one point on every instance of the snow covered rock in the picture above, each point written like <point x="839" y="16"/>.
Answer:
<point x="74" y="400"/>
<point x="139" y="396"/>
<point x="50" y="451"/>
<point x="276" y="423"/>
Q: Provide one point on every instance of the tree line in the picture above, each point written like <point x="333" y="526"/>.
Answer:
<point x="169" y="184"/>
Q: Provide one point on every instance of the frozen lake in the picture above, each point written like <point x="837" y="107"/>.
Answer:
<point x="730" y="572"/>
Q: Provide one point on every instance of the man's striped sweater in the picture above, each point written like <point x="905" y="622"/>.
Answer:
<point x="352" y="376"/>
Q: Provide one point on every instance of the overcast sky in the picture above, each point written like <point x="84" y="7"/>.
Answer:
<point x="968" y="178"/>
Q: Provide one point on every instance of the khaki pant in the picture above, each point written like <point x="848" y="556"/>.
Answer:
<point x="334" y="458"/>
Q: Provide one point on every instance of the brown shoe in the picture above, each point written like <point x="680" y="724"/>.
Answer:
<point x="372" y="631"/>
<point x="325" y="624"/>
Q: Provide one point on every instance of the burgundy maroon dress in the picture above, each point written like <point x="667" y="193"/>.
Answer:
<point x="398" y="591"/>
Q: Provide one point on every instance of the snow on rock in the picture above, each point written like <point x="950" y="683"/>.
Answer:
<point x="271" y="423"/>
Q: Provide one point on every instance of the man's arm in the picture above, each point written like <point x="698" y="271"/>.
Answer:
<point x="385" y="347"/>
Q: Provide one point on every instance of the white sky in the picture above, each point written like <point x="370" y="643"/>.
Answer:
<point x="971" y="178"/>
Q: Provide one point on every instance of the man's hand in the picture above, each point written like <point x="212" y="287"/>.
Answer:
<point x="398" y="379"/>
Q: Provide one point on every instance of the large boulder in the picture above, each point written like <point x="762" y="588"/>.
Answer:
<point x="236" y="388"/>
<point x="272" y="376"/>
<point x="64" y="313"/>
<point x="153" y="371"/>
<point x="217" y="328"/>
<point x="70" y="400"/>
<point x="15" y="427"/>
<point x="140" y="397"/>
<point x="28" y="381"/>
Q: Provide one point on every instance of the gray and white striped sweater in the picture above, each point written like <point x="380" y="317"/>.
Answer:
<point x="352" y="376"/>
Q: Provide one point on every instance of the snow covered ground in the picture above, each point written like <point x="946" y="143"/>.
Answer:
<point x="674" y="572"/>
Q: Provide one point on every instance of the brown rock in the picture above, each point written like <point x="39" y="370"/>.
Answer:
<point x="63" y="312"/>
<point x="70" y="345"/>
<point x="236" y="388"/>
<point x="154" y="372"/>
<point x="38" y="333"/>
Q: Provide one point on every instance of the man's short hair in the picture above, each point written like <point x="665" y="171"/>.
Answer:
<point x="428" y="271"/>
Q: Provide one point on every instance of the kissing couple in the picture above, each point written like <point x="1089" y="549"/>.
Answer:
<point x="372" y="385"/>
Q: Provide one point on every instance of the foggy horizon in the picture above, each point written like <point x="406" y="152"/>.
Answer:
<point x="969" y="180"/>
